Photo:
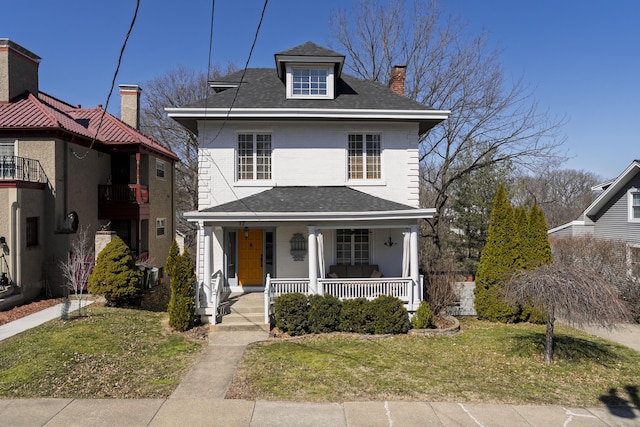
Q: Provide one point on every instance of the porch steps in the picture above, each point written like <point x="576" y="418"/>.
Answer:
<point x="244" y="312"/>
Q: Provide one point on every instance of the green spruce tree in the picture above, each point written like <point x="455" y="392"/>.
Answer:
<point x="500" y="256"/>
<point x="116" y="275"/>
<point x="182" y="307"/>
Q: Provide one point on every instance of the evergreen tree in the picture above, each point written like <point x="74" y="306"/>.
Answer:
<point x="500" y="256"/>
<point x="174" y="253"/>
<point x="538" y="239"/>
<point x="522" y="227"/>
<point x="536" y="251"/>
<point x="182" y="306"/>
<point x="115" y="275"/>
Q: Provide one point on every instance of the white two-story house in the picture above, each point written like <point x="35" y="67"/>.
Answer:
<point x="308" y="181"/>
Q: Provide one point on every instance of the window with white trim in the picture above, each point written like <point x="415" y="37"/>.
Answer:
<point x="364" y="158"/>
<point x="161" y="227"/>
<point x="254" y="156"/>
<point x="310" y="81"/>
<point x="633" y="197"/>
<point x="352" y="247"/>
<point x="160" y="169"/>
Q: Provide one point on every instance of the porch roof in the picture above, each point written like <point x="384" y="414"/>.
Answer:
<point x="306" y="203"/>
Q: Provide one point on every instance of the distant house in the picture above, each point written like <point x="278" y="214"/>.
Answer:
<point x="308" y="181"/>
<point x="58" y="172"/>
<point x="614" y="215"/>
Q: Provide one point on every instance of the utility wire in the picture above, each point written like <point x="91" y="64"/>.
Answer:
<point x="235" y="97"/>
<point x="113" y="83"/>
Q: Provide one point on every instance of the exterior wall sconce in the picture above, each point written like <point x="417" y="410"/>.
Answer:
<point x="246" y="233"/>
<point x="389" y="242"/>
<point x="298" y="247"/>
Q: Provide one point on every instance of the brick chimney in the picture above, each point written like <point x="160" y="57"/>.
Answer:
<point x="18" y="70"/>
<point x="130" y="105"/>
<point x="398" y="76"/>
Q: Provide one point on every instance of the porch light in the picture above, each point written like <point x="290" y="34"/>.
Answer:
<point x="298" y="247"/>
<point x="246" y="232"/>
<point x="389" y="242"/>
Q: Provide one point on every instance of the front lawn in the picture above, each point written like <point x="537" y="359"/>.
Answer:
<point x="487" y="362"/>
<point x="110" y="353"/>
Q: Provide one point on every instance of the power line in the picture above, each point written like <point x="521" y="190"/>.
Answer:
<point x="246" y="66"/>
<point x="113" y="83"/>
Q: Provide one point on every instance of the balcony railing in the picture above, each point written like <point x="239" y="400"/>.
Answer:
<point x="21" y="169"/>
<point x="123" y="193"/>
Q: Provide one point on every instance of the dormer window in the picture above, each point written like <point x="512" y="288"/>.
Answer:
<point x="310" y="82"/>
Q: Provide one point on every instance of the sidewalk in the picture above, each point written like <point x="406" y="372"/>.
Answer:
<point x="198" y="411"/>
<point x="199" y="401"/>
<point x="31" y="321"/>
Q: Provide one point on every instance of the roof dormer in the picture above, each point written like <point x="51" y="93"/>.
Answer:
<point x="309" y="71"/>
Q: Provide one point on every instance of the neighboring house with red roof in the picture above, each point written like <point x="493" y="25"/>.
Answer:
<point x="64" y="166"/>
<point x="308" y="181"/>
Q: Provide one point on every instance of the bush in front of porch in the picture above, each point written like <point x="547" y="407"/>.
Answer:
<point x="297" y="314"/>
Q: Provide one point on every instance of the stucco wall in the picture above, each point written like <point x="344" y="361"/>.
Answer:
<point x="162" y="205"/>
<point x="308" y="154"/>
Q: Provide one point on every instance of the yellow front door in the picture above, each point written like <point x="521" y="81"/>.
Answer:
<point x="250" y="258"/>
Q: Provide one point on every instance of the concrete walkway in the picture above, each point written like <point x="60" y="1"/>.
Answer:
<point x="199" y="401"/>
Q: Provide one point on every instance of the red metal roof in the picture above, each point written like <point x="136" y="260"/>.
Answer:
<point x="44" y="112"/>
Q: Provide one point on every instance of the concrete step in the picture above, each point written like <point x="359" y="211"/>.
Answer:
<point x="243" y="317"/>
<point x="243" y="312"/>
<point x="241" y="326"/>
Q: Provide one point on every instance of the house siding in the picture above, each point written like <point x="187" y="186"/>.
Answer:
<point x="612" y="222"/>
<point x="308" y="154"/>
<point x="161" y="205"/>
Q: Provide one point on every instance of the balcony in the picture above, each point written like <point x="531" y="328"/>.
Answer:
<point x="123" y="201"/>
<point x="16" y="171"/>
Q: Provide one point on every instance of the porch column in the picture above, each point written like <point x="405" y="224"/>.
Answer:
<point x="414" y="264"/>
<point x="313" y="261"/>
<point x="206" y="251"/>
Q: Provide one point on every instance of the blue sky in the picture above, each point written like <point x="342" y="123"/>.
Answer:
<point x="580" y="57"/>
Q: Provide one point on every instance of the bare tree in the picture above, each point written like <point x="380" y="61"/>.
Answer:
<point x="78" y="265"/>
<point x="177" y="88"/>
<point x="563" y="194"/>
<point x="449" y="70"/>
<point x="612" y="259"/>
<point x="572" y="292"/>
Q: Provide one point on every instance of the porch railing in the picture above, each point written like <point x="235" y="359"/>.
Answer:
<point x="123" y="193"/>
<point x="343" y="289"/>
<point x="219" y="293"/>
<point x="367" y="288"/>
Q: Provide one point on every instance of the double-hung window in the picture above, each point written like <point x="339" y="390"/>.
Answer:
<point x="352" y="247"/>
<point x="254" y="156"/>
<point x="161" y="226"/>
<point x="364" y="156"/>
<point x="634" y="205"/>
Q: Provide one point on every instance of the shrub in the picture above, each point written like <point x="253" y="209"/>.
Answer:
<point x="324" y="313"/>
<point x="291" y="312"/>
<point x="423" y="317"/>
<point x="389" y="316"/>
<point x="115" y="275"/>
<point x="182" y="307"/>
<point x="174" y="253"/>
<point x="354" y="316"/>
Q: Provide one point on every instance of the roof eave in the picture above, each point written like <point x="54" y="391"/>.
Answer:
<point x="412" y="214"/>
<point x="622" y="180"/>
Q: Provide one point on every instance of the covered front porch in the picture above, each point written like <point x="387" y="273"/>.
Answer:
<point x="346" y="254"/>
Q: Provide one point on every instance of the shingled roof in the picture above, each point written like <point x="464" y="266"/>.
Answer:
<point x="42" y="112"/>
<point x="310" y="199"/>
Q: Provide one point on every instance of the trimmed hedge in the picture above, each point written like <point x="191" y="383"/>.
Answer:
<point x="297" y="314"/>
<point x="292" y="313"/>
<point x="324" y="313"/>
